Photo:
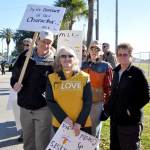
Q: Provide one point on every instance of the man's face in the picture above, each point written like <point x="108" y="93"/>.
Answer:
<point x="26" y="45"/>
<point x="105" y="47"/>
<point x="44" y="44"/>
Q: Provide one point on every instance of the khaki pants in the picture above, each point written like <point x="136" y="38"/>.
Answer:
<point x="36" y="126"/>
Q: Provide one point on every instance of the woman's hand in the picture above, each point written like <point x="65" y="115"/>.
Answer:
<point x="68" y="121"/>
<point x="17" y="87"/>
<point x="76" y="128"/>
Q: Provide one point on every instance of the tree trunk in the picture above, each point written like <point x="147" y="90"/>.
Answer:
<point x="7" y="51"/>
<point x="90" y="21"/>
<point x="7" y="42"/>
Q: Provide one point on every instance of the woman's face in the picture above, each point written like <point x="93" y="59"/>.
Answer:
<point x="94" y="52"/>
<point x="67" y="61"/>
<point x="123" y="57"/>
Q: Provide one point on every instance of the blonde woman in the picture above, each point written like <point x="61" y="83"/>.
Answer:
<point x="68" y="93"/>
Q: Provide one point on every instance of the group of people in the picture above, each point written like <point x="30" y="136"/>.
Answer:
<point x="57" y="89"/>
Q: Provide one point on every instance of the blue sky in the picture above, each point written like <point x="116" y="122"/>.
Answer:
<point x="134" y="20"/>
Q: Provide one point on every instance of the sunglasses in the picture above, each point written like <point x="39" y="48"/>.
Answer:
<point x="122" y="55"/>
<point x="66" y="56"/>
<point x="26" y="45"/>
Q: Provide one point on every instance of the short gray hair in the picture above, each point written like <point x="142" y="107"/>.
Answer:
<point x="61" y="51"/>
<point x="27" y="40"/>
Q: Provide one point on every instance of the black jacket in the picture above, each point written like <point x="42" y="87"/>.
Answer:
<point x="32" y="95"/>
<point x="128" y="96"/>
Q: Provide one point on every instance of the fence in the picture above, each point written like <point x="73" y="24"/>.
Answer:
<point x="142" y="60"/>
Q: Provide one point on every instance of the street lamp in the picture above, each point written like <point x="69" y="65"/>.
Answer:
<point x="97" y="21"/>
<point x="116" y="25"/>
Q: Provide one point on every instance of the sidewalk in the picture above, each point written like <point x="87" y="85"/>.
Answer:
<point x="8" y="132"/>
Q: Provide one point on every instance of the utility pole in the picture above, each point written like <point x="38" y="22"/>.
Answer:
<point x="116" y="25"/>
<point x="97" y="21"/>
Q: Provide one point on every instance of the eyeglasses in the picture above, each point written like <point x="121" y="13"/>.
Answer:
<point x="122" y="55"/>
<point x="26" y="45"/>
<point x="66" y="56"/>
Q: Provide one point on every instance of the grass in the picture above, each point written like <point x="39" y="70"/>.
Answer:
<point x="145" y="138"/>
<point x="146" y="68"/>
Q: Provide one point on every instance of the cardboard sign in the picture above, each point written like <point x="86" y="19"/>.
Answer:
<point x="65" y="139"/>
<point x="38" y="17"/>
<point x="71" y="39"/>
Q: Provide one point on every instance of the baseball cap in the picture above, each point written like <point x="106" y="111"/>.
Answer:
<point x="46" y="35"/>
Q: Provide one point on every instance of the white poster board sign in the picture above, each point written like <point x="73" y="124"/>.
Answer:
<point x="72" y="39"/>
<point x="39" y="17"/>
<point x="12" y="105"/>
<point x="65" y="139"/>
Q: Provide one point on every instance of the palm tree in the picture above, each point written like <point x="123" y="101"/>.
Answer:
<point x="90" y="21"/>
<point x="7" y="34"/>
<point x="74" y="9"/>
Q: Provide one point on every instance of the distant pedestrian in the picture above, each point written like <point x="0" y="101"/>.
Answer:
<point x="108" y="55"/>
<point x="3" y="67"/>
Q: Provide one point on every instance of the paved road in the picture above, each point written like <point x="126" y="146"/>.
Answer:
<point x="8" y="132"/>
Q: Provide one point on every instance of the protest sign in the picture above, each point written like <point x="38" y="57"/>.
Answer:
<point x="12" y="105"/>
<point x="71" y="39"/>
<point x="39" y="17"/>
<point x="65" y="139"/>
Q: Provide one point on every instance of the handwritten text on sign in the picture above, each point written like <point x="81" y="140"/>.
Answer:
<point x="38" y="17"/>
<point x="72" y="39"/>
<point x="64" y="139"/>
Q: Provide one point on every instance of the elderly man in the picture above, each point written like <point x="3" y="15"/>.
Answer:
<point x="108" y="55"/>
<point x="34" y="114"/>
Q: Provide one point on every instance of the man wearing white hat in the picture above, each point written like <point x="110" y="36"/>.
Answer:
<point x="34" y="114"/>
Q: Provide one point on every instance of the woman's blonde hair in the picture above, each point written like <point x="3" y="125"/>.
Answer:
<point x="63" y="51"/>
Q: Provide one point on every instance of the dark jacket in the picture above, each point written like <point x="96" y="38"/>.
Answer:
<point x="32" y="95"/>
<point x="128" y="96"/>
<point x="111" y="58"/>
